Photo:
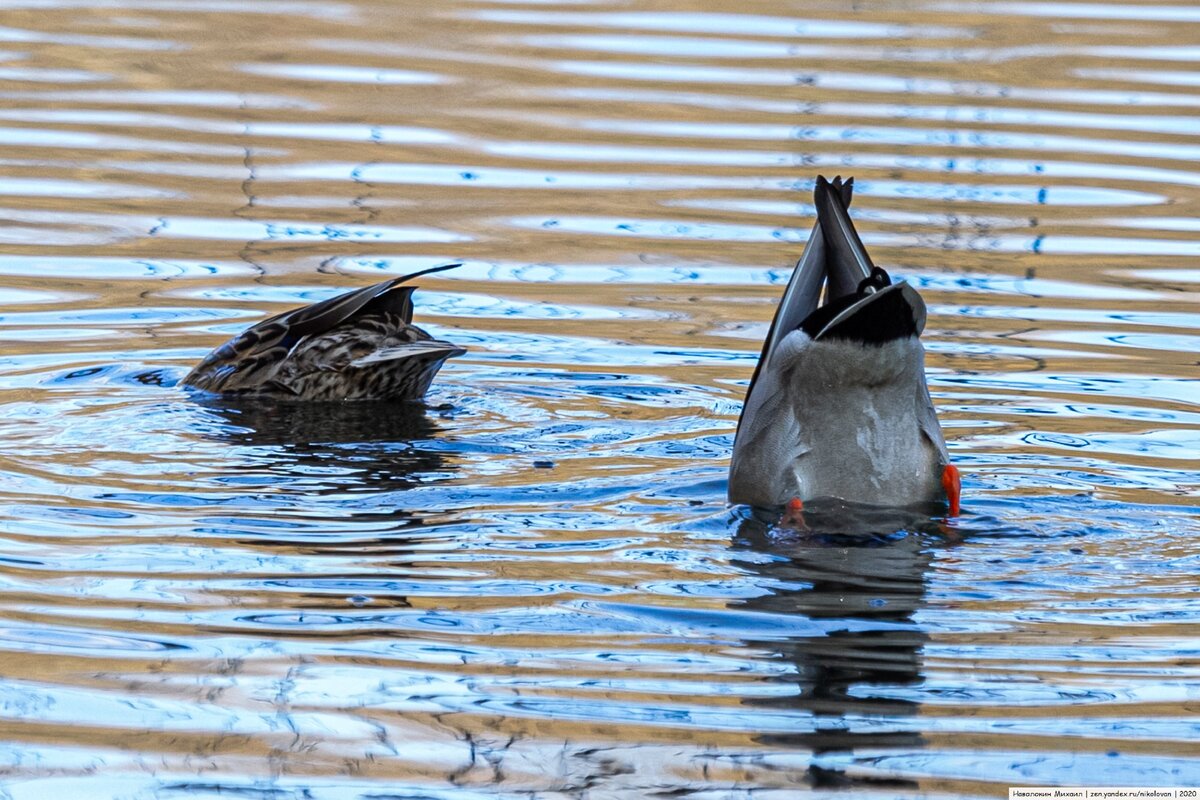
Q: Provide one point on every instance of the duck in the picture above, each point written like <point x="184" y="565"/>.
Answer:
<point x="839" y="404"/>
<point x="360" y="345"/>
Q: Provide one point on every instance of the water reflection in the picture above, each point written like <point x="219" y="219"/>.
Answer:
<point x="335" y="448"/>
<point x="353" y="466"/>
<point x="861" y="563"/>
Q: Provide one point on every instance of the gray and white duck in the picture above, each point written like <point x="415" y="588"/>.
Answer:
<point x="839" y="405"/>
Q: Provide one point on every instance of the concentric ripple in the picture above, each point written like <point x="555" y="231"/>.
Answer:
<point x="534" y="588"/>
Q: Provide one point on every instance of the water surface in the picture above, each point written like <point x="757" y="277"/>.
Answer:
<point x="535" y="589"/>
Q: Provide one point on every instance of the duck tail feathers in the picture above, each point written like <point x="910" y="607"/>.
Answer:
<point x="803" y="291"/>
<point x="847" y="260"/>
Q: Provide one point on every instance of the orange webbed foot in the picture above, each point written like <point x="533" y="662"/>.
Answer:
<point x="793" y="515"/>
<point x="953" y="486"/>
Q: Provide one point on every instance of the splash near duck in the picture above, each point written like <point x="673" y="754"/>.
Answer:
<point x="360" y="345"/>
<point x="839" y="405"/>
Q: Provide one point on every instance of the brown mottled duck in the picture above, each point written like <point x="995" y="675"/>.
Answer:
<point x="360" y="345"/>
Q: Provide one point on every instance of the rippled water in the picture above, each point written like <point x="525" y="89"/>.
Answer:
<point x="536" y="589"/>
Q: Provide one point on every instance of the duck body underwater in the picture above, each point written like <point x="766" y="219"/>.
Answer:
<point x="839" y="405"/>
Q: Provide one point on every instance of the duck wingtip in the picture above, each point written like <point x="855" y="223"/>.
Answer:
<point x="428" y="271"/>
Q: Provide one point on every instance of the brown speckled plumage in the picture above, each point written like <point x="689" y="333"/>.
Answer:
<point x="361" y="345"/>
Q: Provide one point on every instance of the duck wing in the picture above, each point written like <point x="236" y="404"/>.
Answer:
<point x="251" y="358"/>
<point x="372" y="357"/>
<point x="803" y="290"/>
<point x="930" y="427"/>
